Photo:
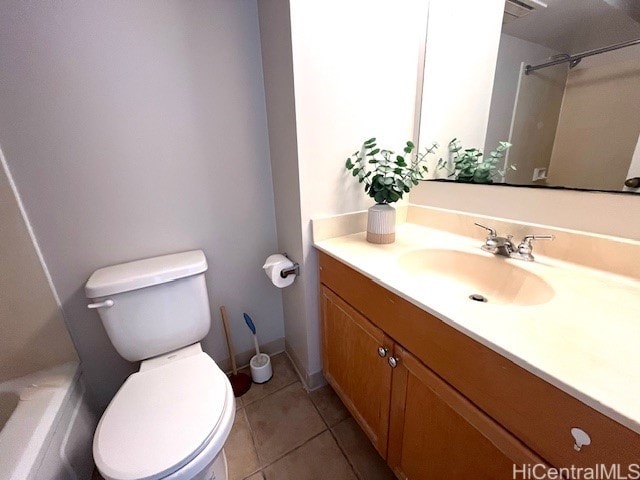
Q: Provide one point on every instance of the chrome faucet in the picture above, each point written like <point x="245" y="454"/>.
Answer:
<point x="505" y="247"/>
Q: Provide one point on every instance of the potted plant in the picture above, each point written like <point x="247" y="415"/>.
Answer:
<point x="468" y="166"/>
<point x="386" y="177"/>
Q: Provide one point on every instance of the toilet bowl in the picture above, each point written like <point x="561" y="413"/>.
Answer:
<point x="170" y="419"/>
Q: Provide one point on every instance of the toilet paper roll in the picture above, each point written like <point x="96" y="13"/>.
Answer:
<point x="274" y="265"/>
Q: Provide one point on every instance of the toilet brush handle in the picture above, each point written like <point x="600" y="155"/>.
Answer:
<point x="255" y="344"/>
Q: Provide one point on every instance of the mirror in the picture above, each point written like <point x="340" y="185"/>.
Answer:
<point x="565" y="92"/>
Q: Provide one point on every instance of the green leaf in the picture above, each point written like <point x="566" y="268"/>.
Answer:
<point x="373" y="152"/>
<point x="348" y="165"/>
<point x="371" y="140"/>
<point x="410" y="144"/>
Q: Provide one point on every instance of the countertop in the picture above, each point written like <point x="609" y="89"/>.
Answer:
<point x="583" y="341"/>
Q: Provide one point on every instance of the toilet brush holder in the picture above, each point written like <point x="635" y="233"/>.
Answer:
<point x="261" y="370"/>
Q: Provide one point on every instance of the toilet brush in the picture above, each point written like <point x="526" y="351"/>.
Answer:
<point x="240" y="382"/>
<point x="260" y="363"/>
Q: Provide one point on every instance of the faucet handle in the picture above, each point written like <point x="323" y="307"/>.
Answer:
<point x="492" y="232"/>
<point x="525" y="248"/>
<point x="528" y="238"/>
<point x="490" y="244"/>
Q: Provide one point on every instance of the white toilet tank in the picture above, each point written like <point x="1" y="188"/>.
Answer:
<point x="152" y="306"/>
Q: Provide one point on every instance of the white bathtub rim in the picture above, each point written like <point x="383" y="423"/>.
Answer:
<point x="48" y="390"/>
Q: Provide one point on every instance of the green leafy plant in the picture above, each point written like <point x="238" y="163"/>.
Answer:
<point x="387" y="176"/>
<point x="468" y="166"/>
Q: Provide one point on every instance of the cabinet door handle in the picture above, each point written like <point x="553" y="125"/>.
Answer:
<point x="393" y="361"/>
<point x="382" y="351"/>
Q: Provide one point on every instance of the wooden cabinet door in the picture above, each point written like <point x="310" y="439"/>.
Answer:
<point x="436" y="433"/>
<point x="354" y="368"/>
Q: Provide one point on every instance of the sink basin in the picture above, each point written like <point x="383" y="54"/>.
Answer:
<point x="496" y="279"/>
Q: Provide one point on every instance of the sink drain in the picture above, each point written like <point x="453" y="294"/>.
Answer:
<point x="476" y="297"/>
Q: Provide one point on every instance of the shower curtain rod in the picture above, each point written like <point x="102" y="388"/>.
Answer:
<point x="575" y="59"/>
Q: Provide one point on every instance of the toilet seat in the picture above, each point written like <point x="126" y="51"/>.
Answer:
<point x="162" y="417"/>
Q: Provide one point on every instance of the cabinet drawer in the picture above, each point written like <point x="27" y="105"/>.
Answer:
<point x="535" y="411"/>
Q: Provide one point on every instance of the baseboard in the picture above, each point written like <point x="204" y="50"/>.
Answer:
<point x="309" y="381"/>
<point x="316" y="380"/>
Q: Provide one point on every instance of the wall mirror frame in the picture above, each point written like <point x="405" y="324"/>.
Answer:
<point x="557" y="79"/>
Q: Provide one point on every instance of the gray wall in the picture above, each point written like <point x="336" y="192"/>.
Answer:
<point x="136" y="129"/>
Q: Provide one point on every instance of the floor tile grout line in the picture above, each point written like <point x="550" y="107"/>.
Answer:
<point x="344" y="453"/>
<point x="253" y="442"/>
<point x="292" y="450"/>
<point x="335" y="439"/>
<point x="253" y="439"/>
<point x="262" y="467"/>
<point x="326" y="422"/>
<point x="269" y="394"/>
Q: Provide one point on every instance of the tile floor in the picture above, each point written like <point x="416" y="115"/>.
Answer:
<point x="281" y="432"/>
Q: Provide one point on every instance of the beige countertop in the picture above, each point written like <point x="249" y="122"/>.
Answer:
<point x="584" y="340"/>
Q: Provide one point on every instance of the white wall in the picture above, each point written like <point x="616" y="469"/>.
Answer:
<point x="135" y="129"/>
<point x="535" y="121"/>
<point x="460" y="62"/>
<point x="634" y="168"/>
<point x="511" y="54"/>
<point x="354" y="75"/>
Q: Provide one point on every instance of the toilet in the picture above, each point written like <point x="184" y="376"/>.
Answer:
<point x="170" y="419"/>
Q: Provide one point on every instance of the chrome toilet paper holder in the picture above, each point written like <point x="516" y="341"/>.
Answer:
<point x="295" y="270"/>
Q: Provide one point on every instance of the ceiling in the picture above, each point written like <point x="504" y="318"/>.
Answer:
<point x="573" y="26"/>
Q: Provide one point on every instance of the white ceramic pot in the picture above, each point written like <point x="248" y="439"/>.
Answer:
<point x="381" y="224"/>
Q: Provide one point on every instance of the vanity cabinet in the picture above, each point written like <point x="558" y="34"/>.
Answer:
<point x="436" y="433"/>
<point x="430" y="430"/>
<point x="354" y="366"/>
<point x="451" y="405"/>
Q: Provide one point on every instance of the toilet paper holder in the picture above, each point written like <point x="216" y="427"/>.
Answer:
<point x="294" y="270"/>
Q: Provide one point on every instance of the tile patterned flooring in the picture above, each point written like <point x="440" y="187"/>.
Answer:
<point x="281" y="432"/>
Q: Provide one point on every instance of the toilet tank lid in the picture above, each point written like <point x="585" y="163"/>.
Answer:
<point x="144" y="273"/>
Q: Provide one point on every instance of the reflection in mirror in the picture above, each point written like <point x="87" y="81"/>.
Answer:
<point x="573" y="115"/>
